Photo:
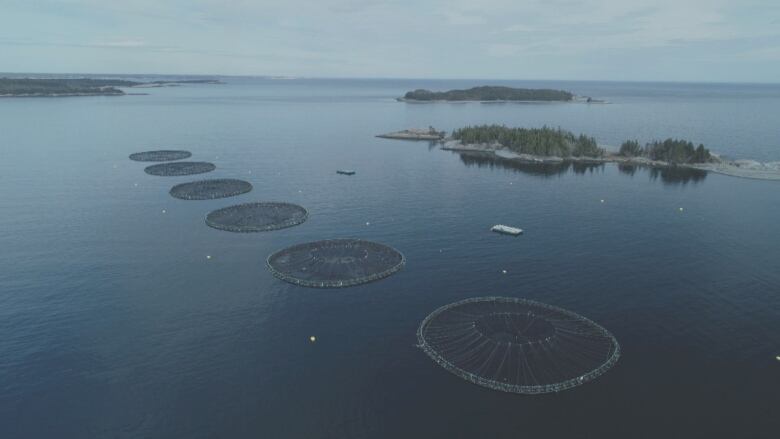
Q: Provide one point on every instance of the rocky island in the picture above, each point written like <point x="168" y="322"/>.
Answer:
<point x="490" y="94"/>
<point x="62" y="87"/>
<point x="429" y="134"/>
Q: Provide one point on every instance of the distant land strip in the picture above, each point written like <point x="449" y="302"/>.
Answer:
<point x="495" y="94"/>
<point x="62" y="87"/>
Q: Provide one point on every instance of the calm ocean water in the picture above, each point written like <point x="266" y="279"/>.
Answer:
<point x="115" y="324"/>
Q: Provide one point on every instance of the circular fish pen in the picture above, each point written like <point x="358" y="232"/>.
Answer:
<point x="163" y="155"/>
<point x="210" y="189"/>
<point x="176" y="169"/>
<point x="516" y="345"/>
<point x="335" y="263"/>
<point x="257" y="217"/>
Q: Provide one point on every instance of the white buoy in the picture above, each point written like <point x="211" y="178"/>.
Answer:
<point x="163" y="210"/>
<point x="681" y="209"/>
<point x="602" y="201"/>
<point x="312" y="339"/>
<point x="503" y="271"/>
<point x="777" y="358"/>
<point x="135" y="184"/>
<point x="208" y="256"/>
<point x="368" y="223"/>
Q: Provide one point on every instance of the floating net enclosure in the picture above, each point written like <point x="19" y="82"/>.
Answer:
<point x="164" y="155"/>
<point x="516" y="345"/>
<point x="179" y="168"/>
<point x="210" y="189"/>
<point x="335" y="263"/>
<point x="257" y="217"/>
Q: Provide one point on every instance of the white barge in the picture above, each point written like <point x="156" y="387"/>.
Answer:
<point x="500" y="228"/>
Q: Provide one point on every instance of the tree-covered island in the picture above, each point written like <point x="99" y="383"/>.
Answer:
<point x="490" y="93"/>
<point x="54" y="87"/>
<point x="555" y="145"/>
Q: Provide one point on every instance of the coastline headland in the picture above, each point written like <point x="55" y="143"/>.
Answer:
<point x="70" y="87"/>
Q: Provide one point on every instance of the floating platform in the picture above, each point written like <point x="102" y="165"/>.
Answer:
<point x="257" y="217"/>
<point x="175" y="169"/>
<point x="164" y="155"/>
<point x="506" y="230"/>
<point x="345" y="172"/>
<point x="517" y="345"/>
<point x="210" y="189"/>
<point x="335" y="263"/>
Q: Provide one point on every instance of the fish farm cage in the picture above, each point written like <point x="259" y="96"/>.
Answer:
<point x="517" y="345"/>
<point x="210" y="189"/>
<point x="175" y="169"/>
<point x="164" y="155"/>
<point x="335" y="263"/>
<point x="257" y="217"/>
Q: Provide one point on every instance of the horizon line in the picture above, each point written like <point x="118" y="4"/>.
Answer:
<point x="405" y="78"/>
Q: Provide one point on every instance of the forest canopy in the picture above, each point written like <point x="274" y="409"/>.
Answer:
<point x="670" y="150"/>
<point x="543" y="141"/>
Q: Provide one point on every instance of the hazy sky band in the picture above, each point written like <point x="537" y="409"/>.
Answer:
<point x="685" y="40"/>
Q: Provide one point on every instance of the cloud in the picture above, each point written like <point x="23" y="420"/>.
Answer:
<point x="122" y="44"/>
<point x="392" y="37"/>
<point x="519" y="28"/>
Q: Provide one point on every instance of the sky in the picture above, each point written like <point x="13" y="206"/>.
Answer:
<point x="631" y="40"/>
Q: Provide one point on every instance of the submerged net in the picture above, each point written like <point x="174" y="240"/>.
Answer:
<point x="179" y="168"/>
<point x="257" y="217"/>
<point x="517" y="345"/>
<point x="210" y="189"/>
<point x="164" y="155"/>
<point x="335" y="263"/>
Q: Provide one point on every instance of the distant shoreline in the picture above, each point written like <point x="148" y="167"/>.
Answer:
<point x="79" y="87"/>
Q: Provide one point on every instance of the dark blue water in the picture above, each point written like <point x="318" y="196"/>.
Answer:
<point x="115" y="324"/>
